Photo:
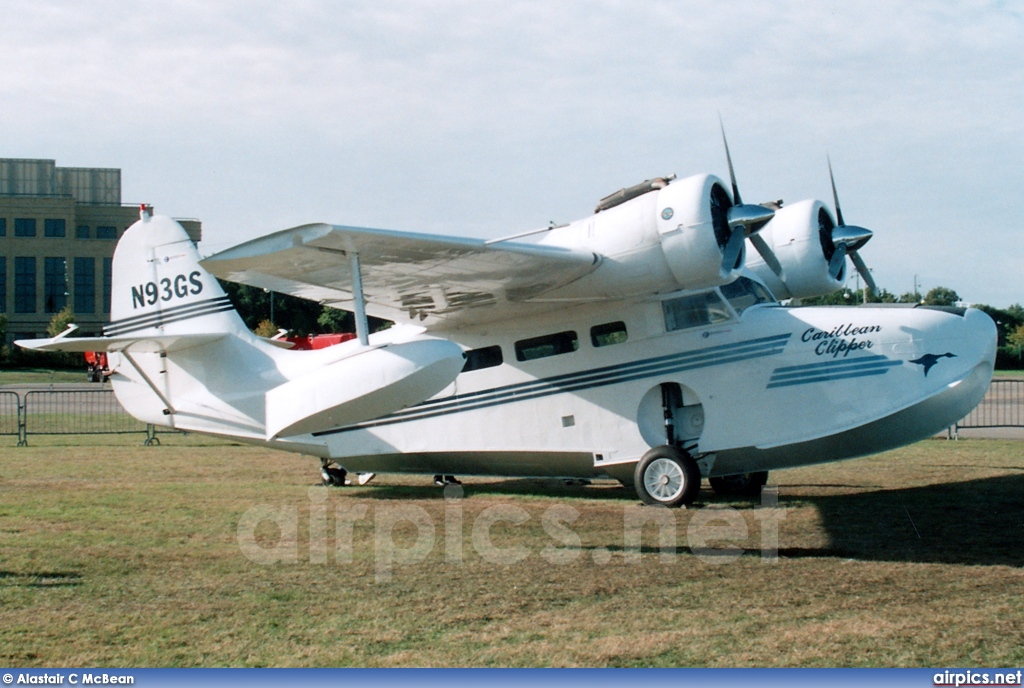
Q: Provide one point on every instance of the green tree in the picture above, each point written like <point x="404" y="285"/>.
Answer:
<point x="334" y="320"/>
<point x="941" y="296"/>
<point x="60" y="321"/>
<point x="266" y="329"/>
<point x="1016" y="338"/>
<point x="882" y="296"/>
<point x="843" y="297"/>
<point x="910" y="297"/>
<point x="296" y="315"/>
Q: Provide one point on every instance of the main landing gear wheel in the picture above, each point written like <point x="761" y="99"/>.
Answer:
<point x="742" y="485"/>
<point x="332" y="474"/>
<point x="667" y="476"/>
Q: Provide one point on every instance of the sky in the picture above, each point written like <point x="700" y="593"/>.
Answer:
<point x="486" y="119"/>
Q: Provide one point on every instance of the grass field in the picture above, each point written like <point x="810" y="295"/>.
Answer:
<point x="113" y="554"/>
<point x="41" y="376"/>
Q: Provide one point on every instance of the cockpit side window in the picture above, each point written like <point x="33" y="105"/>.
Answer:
<point x="694" y="311"/>
<point x="744" y="293"/>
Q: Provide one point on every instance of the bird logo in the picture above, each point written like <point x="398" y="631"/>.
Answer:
<point x="928" y="360"/>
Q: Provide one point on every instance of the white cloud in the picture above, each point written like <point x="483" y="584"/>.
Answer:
<point x="492" y="117"/>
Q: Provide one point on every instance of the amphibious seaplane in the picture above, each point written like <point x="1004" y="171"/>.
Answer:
<point x="640" y="343"/>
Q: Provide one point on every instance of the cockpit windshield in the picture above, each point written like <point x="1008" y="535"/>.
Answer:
<point x="744" y="293"/>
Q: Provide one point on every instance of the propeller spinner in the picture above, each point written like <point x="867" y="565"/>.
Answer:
<point x="744" y="220"/>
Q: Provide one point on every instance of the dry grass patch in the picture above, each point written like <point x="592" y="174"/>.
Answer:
<point x="113" y="554"/>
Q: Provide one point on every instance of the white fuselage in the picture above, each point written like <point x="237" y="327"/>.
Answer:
<point x="657" y="342"/>
<point x="771" y="387"/>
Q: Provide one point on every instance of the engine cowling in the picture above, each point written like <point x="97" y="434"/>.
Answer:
<point x="694" y="230"/>
<point x="800" y="235"/>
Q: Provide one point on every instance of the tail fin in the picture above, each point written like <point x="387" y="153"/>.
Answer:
<point x="159" y="287"/>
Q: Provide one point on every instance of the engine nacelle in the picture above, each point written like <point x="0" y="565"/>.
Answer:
<point x="800" y="235"/>
<point x="658" y="240"/>
<point x="693" y="228"/>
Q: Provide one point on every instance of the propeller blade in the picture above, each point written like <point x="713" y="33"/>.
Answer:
<point x="733" y="249"/>
<point x="769" y="256"/>
<point x="862" y="268"/>
<point x="835" y="266"/>
<point x="732" y="174"/>
<point x="835" y="195"/>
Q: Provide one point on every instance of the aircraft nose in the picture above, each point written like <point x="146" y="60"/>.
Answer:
<point x="981" y="330"/>
<point x="953" y="343"/>
<point x="952" y="355"/>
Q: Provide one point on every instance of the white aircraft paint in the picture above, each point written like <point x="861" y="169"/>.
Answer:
<point x="661" y="345"/>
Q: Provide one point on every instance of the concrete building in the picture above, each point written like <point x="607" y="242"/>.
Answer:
<point x="58" y="229"/>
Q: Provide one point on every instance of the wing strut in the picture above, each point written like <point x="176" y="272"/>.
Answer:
<point x="362" y="325"/>
<point x="169" y="407"/>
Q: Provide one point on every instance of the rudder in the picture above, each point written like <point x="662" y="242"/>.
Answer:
<point x="159" y="288"/>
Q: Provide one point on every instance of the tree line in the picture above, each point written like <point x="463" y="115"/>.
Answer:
<point x="1009" y="321"/>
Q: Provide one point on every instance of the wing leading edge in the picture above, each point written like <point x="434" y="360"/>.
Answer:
<point x="433" y="280"/>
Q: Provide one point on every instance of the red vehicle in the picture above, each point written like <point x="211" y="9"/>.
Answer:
<point x="99" y="371"/>
<point x="96" y="362"/>
<point x="318" y="341"/>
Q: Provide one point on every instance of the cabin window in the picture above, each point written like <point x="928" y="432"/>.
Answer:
<point x="548" y="345"/>
<point x="487" y="357"/>
<point x="744" y="293"/>
<point x="694" y="311"/>
<point x="608" y="334"/>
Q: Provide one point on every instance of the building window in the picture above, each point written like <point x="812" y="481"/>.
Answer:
<point x="55" y="285"/>
<point x="608" y="334"/>
<point x="106" y="232"/>
<point x="25" y="284"/>
<point x="53" y="228"/>
<point x="548" y="345"/>
<point x="3" y="284"/>
<point x="107" y="282"/>
<point x="85" y="285"/>
<point x="25" y="226"/>
<point x="82" y="232"/>
<point x="3" y="226"/>
<point x="487" y="357"/>
<point x="694" y="311"/>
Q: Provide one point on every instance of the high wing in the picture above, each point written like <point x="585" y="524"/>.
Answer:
<point x="432" y="280"/>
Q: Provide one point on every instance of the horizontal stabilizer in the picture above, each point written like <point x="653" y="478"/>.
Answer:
<point x="154" y="344"/>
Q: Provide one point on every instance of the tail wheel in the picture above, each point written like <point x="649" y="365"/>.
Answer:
<point x="743" y="485"/>
<point x="667" y="476"/>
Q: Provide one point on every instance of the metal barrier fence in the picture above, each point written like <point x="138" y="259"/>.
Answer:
<point x="10" y="413"/>
<point x="67" y="412"/>
<point x="97" y="411"/>
<point x="1002" y="407"/>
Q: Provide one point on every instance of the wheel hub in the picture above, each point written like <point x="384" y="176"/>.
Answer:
<point x="664" y="480"/>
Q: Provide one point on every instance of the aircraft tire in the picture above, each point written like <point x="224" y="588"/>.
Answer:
<point x="667" y="476"/>
<point x="743" y="485"/>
